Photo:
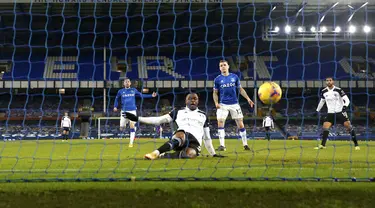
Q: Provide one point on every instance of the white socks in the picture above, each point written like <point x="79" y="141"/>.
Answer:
<point x="221" y="136"/>
<point x="132" y="136"/>
<point x="243" y="136"/>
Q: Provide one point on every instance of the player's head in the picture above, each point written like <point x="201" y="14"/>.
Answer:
<point x="66" y="113"/>
<point x="192" y="101"/>
<point x="330" y="82"/>
<point x="127" y="83"/>
<point x="224" y="67"/>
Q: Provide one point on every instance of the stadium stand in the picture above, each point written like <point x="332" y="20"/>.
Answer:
<point x="279" y="66"/>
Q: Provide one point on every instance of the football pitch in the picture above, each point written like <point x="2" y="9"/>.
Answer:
<point x="113" y="160"/>
<point x="74" y="160"/>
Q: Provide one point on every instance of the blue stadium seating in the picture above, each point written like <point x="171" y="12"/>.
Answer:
<point x="283" y="67"/>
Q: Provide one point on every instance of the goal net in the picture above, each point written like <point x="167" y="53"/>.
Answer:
<point x="64" y="56"/>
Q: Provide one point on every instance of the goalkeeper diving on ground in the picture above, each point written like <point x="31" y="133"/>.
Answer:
<point x="186" y="141"/>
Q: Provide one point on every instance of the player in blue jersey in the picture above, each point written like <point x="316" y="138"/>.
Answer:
<point x="127" y="95"/>
<point x="225" y="95"/>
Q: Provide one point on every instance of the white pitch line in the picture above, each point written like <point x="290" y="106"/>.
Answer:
<point x="174" y="169"/>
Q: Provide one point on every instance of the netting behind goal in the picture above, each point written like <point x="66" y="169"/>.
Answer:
<point x="60" y="57"/>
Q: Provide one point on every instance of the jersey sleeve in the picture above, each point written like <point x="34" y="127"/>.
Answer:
<point x="216" y="84"/>
<point x="264" y="121"/>
<point x="117" y="98"/>
<point x="238" y="82"/>
<point x="321" y="94"/>
<point x="342" y="93"/>
<point x="206" y="123"/>
<point x="137" y="93"/>
<point x="173" y="114"/>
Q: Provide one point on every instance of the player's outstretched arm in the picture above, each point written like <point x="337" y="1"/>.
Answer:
<point x="154" y="94"/>
<point x="346" y="100"/>
<point x="244" y="94"/>
<point x="149" y="120"/>
<point x="321" y="104"/>
<point x="208" y="142"/>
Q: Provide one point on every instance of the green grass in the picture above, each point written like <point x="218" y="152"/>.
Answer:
<point x="104" y="159"/>
<point x="187" y="194"/>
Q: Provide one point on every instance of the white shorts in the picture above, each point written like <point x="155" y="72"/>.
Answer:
<point x="234" y="110"/>
<point x="123" y="120"/>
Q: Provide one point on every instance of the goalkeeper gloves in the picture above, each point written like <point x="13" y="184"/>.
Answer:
<point x="131" y="116"/>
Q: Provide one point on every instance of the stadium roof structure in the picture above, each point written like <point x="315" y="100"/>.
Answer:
<point x="187" y="21"/>
<point x="150" y="7"/>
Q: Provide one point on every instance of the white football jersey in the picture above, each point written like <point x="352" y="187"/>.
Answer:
<point x="65" y="122"/>
<point x="190" y="121"/>
<point x="267" y="122"/>
<point x="333" y="99"/>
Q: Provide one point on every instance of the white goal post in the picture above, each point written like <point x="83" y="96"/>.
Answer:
<point x="106" y="118"/>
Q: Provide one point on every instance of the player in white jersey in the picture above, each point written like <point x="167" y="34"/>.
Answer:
<point x="225" y="95"/>
<point x="337" y="102"/>
<point x="66" y="125"/>
<point x="187" y="139"/>
<point x="267" y="124"/>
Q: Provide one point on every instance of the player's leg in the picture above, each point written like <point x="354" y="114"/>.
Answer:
<point x="188" y="153"/>
<point x="190" y="149"/>
<point x="132" y="133"/>
<point x="326" y="127"/>
<point x="123" y="122"/>
<point x="67" y="134"/>
<point x="178" y="140"/>
<point x="243" y="133"/>
<point x="221" y="115"/>
<point x="132" y="129"/>
<point x="350" y="129"/>
<point x="64" y="134"/>
<point x="160" y="132"/>
<point x="268" y="135"/>
<point x="328" y="121"/>
<point x="236" y="114"/>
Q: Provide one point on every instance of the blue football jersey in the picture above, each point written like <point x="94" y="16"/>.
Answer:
<point x="228" y="88"/>
<point x="128" y="98"/>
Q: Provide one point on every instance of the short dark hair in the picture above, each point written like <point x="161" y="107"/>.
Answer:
<point x="223" y="60"/>
<point x="191" y="93"/>
<point x="330" y="78"/>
